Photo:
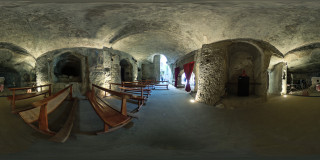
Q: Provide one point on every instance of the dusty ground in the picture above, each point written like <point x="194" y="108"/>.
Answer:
<point x="170" y="127"/>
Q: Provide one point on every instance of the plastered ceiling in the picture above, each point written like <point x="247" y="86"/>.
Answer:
<point x="145" y="28"/>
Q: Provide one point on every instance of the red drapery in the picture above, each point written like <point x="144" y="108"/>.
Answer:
<point x="188" y="68"/>
<point x="176" y="73"/>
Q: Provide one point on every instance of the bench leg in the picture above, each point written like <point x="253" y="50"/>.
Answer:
<point x="43" y="120"/>
<point x="106" y="128"/>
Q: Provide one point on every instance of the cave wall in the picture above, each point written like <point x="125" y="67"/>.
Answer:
<point x="278" y="79"/>
<point x="16" y="66"/>
<point x="212" y="73"/>
<point x="215" y="64"/>
<point x="147" y="71"/>
<point x="99" y="66"/>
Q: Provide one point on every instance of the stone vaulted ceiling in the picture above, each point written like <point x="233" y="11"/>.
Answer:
<point x="143" y="29"/>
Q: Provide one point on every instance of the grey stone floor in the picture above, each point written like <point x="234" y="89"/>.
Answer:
<point x="170" y="127"/>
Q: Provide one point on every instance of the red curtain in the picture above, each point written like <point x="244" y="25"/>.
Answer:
<point x="188" y="68"/>
<point x="176" y="73"/>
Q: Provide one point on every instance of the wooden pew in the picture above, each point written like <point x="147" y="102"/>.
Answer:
<point x="140" y="98"/>
<point x="46" y="106"/>
<point x="162" y="84"/>
<point x="137" y="87"/>
<point x="13" y="98"/>
<point x="149" y="83"/>
<point x="112" y="118"/>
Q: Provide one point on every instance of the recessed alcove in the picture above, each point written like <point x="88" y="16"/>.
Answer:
<point x="126" y="70"/>
<point x="243" y="57"/>
<point x="68" y="69"/>
<point x="11" y="76"/>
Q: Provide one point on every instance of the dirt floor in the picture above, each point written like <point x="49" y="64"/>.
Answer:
<point x="169" y="126"/>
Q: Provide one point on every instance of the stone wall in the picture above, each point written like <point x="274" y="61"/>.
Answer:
<point x="16" y="66"/>
<point x="220" y="63"/>
<point x="98" y="66"/>
<point x="277" y="78"/>
<point x="156" y="67"/>
<point x="147" y="71"/>
<point x="212" y="73"/>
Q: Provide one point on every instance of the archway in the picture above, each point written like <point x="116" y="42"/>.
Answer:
<point x="192" y="80"/>
<point x="68" y="69"/>
<point x="165" y="71"/>
<point x="11" y="77"/>
<point x="304" y="70"/>
<point x="126" y="70"/>
<point x="244" y="57"/>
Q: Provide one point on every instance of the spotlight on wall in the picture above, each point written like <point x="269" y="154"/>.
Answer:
<point x="192" y="100"/>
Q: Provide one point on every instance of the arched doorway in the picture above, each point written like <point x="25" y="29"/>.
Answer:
<point x="126" y="70"/>
<point x="12" y="78"/>
<point x="165" y="71"/>
<point x="192" y="80"/>
<point x="244" y="57"/>
<point x="68" y="69"/>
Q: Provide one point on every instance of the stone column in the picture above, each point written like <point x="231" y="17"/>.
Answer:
<point x="156" y="64"/>
<point x="212" y="74"/>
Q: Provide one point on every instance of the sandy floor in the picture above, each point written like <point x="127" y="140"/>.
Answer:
<point x="170" y="127"/>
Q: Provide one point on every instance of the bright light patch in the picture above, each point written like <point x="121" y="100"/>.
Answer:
<point x="285" y="96"/>
<point x="192" y="100"/>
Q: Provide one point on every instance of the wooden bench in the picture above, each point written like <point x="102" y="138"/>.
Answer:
<point x="161" y="84"/>
<point x="140" y="98"/>
<point x="149" y="83"/>
<point x="14" y="97"/>
<point x="112" y="118"/>
<point x="136" y="87"/>
<point x="133" y="89"/>
<point x="46" y="106"/>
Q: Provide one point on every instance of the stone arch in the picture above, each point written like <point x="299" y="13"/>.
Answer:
<point x="17" y="66"/>
<point x="126" y="72"/>
<point x="69" y="67"/>
<point x="221" y="63"/>
<point x="303" y="68"/>
<point x="244" y="56"/>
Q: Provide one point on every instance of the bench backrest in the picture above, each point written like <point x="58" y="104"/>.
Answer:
<point x="45" y="107"/>
<point x="122" y="95"/>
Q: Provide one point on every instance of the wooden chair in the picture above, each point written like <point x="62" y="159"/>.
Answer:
<point x="14" y="97"/>
<point x="46" y="106"/>
<point x="112" y="118"/>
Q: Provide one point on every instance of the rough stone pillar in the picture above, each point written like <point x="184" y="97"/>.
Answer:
<point x="278" y="79"/>
<point x="212" y="74"/>
<point x="156" y="64"/>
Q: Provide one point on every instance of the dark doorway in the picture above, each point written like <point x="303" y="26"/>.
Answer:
<point x="12" y="77"/>
<point x="68" y="69"/>
<point x="126" y="70"/>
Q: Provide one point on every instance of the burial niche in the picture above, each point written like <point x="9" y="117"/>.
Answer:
<point x="12" y="78"/>
<point x="68" y="69"/>
<point x="126" y="70"/>
<point x="244" y="57"/>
